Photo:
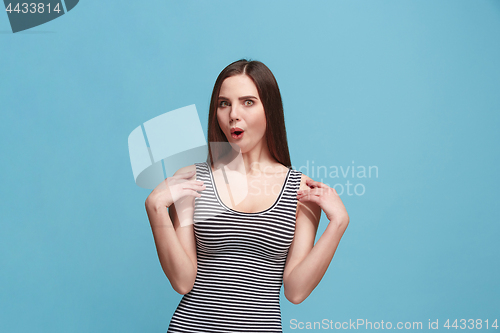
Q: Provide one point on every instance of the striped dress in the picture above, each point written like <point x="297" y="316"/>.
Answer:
<point x="241" y="258"/>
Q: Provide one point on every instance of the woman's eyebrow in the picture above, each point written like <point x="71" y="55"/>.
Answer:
<point x="240" y="98"/>
<point x="247" y="97"/>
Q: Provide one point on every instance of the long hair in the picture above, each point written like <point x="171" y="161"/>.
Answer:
<point x="270" y="96"/>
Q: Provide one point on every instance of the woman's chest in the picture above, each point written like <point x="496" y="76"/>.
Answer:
<point x="267" y="236"/>
<point x="249" y="194"/>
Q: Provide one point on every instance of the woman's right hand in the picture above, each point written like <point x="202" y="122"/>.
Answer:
<point x="174" y="188"/>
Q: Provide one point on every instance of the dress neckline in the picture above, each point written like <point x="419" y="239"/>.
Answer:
<point x="237" y="211"/>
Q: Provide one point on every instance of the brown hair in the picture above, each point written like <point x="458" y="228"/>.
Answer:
<point x="270" y="96"/>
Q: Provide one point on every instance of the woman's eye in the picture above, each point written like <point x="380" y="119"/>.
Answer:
<point x="248" y="102"/>
<point x="223" y="103"/>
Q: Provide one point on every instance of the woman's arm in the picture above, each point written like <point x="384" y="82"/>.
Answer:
<point x="174" y="234"/>
<point x="307" y="262"/>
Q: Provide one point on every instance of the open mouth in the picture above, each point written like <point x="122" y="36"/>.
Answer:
<point x="237" y="134"/>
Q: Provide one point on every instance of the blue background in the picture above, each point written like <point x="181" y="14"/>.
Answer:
<point x="410" y="87"/>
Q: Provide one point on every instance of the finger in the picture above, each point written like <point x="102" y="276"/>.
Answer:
<point x="188" y="193"/>
<point x="191" y="182"/>
<point x="185" y="181"/>
<point x="307" y="194"/>
<point x="315" y="191"/>
<point x="312" y="183"/>
<point x="193" y="193"/>
<point x="308" y="197"/>
<point x="195" y="187"/>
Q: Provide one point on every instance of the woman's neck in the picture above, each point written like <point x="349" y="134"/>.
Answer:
<point x="255" y="161"/>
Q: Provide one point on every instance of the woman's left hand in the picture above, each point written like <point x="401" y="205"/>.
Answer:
<point x="327" y="198"/>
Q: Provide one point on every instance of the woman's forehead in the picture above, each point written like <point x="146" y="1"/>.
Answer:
<point x="238" y="85"/>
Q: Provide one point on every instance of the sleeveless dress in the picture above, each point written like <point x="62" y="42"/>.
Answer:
<point x="241" y="259"/>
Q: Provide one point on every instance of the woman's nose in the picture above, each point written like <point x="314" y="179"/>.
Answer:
<point x="234" y="114"/>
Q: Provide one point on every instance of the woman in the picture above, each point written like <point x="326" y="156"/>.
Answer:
<point x="228" y="245"/>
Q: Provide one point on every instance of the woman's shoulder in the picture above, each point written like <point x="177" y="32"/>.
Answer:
<point x="303" y="179"/>
<point x="187" y="168"/>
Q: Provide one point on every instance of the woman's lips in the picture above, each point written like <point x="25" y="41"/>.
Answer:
<point x="236" y="133"/>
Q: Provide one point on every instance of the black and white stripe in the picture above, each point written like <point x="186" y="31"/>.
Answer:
<point x="241" y="258"/>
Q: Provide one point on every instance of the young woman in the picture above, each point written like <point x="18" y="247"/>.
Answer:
<point x="243" y="222"/>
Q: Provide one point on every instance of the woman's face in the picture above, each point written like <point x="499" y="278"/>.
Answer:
<point x="239" y="106"/>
